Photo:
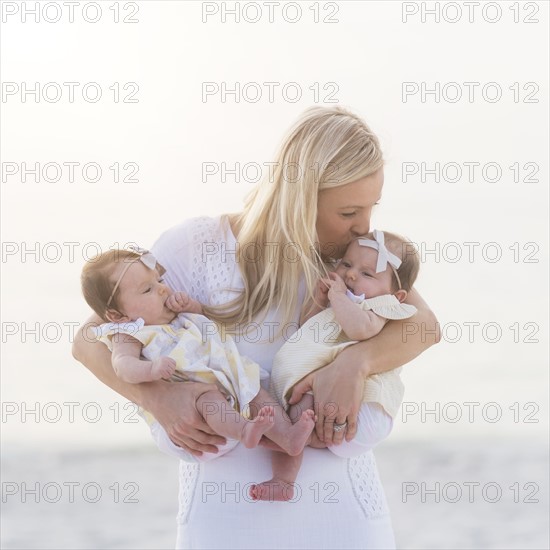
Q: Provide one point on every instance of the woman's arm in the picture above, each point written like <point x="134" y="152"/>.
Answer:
<point x="172" y="404"/>
<point x="338" y="387"/>
<point x="400" y="341"/>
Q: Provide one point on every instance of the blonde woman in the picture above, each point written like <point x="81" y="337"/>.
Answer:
<point x="256" y="271"/>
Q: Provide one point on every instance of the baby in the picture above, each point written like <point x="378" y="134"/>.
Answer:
<point x="126" y="288"/>
<point x="366" y="290"/>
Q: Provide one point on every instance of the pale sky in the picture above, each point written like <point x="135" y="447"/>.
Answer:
<point x="461" y="110"/>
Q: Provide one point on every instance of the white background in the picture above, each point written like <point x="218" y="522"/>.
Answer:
<point x="368" y="53"/>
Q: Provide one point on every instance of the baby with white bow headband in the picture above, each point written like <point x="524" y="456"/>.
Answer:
<point x="366" y="290"/>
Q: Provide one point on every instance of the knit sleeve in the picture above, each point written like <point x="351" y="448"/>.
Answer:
<point x="198" y="256"/>
<point x="389" y="307"/>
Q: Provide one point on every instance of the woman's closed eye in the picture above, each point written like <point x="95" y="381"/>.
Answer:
<point x="351" y="214"/>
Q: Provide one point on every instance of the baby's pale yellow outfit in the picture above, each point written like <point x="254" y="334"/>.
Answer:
<point x="201" y="355"/>
<point x="319" y="341"/>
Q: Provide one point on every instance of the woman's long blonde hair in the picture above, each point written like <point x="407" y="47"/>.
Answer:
<point x="326" y="147"/>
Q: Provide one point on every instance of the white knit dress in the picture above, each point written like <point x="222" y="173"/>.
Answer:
<point x="339" y="502"/>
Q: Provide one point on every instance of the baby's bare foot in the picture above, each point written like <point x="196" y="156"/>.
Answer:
<point x="300" y="433"/>
<point x="254" y="429"/>
<point x="275" y="489"/>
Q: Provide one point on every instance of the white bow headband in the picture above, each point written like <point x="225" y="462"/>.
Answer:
<point x="385" y="257"/>
<point x="145" y="257"/>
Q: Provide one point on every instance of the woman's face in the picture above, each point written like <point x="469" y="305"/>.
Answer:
<point x="344" y="213"/>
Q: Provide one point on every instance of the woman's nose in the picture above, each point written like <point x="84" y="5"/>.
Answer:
<point x="362" y="224"/>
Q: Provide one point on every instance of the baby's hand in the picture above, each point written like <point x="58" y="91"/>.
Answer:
<point x="163" y="367"/>
<point x="178" y="302"/>
<point x="337" y="286"/>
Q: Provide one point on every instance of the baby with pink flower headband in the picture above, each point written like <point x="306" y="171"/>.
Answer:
<point x="366" y="290"/>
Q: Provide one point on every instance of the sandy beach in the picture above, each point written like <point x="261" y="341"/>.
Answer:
<point x="442" y="494"/>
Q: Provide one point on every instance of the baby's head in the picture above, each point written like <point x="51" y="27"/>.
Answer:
<point x="123" y="285"/>
<point x="358" y="267"/>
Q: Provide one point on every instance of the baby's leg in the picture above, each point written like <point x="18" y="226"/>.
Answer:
<point x="281" y="485"/>
<point x="285" y="467"/>
<point x="290" y="436"/>
<point x="226" y="421"/>
<point x="373" y="425"/>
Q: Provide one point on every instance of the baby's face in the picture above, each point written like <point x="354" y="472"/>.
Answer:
<point x="358" y="270"/>
<point x="143" y="294"/>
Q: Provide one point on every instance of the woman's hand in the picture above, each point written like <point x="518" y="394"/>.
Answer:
<point x="173" y="405"/>
<point x="340" y="384"/>
<point x="315" y="442"/>
<point x="338" y="392"/>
